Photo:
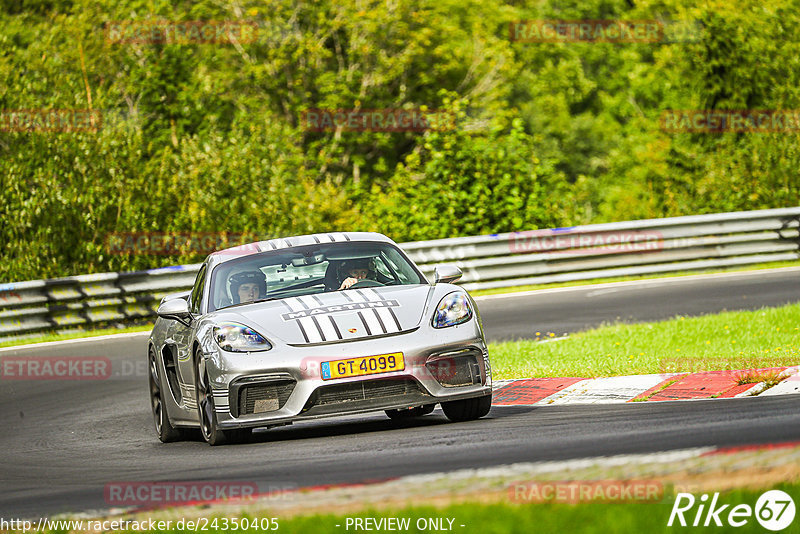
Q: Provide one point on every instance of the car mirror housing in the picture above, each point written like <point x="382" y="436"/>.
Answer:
<point x="446" y="273"/>
<point x="177" y="309"/>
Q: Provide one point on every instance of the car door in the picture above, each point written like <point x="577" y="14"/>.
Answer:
<point x="182" y="337"/>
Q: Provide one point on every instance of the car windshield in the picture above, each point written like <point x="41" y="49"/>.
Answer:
<point x="309" y="270"/>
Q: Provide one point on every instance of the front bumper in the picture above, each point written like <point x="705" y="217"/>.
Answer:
<point x="284" y="384"/>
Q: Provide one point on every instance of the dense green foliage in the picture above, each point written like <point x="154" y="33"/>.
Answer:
<point x="210" y="137"/>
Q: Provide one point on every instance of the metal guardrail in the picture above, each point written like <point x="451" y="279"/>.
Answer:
<point x="490" y="261"/>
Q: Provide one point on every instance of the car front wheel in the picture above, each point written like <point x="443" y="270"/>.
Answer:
<point x="467" y="409"/>
<point x="206" y="412"/>
<point x="164" y="429"/>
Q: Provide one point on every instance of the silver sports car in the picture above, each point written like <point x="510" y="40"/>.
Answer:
<point x="314" y="326"/>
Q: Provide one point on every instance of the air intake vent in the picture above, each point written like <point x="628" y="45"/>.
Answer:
<point x="366" y="390"/>
<point x="456" y="369"/>
<point x="263" y="397"/>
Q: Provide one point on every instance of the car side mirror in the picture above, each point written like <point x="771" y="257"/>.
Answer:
<point x="446" y="273"/>
<point x="176" y="309"/>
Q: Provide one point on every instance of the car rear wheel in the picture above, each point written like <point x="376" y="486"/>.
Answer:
<point x="164" y="429"/>
<point x="467" y="409"/>
<point x="409" y="413"/>
<point x="206" y="412"/>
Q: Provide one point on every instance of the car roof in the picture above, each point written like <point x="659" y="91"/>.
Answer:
<point x="258" y="247"/>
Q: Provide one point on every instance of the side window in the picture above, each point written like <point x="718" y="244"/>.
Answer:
<point x="397" y="266"/>
<point x="382" y="269"/>
<point x="197" y="290"/>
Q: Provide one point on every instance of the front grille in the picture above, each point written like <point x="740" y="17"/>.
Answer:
<point x="365" y="390"/>
<point x="264" y="397"/>
<point x="457" y="369"/>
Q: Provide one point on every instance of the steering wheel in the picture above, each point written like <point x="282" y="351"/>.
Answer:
<point x="366" y="282"/>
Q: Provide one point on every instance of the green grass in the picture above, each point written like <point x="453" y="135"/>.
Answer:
<point x="74" y="335"/>
<point x="593" y="281"/>
<point x="731" y="340"/>
<point x="507" y="518"/>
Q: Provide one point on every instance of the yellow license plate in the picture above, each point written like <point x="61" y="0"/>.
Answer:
<point x="367" y="365"/>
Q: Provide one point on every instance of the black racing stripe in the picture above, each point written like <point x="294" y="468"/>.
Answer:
<point x="316" y="239"/>
<point x="330" y="236"/>
<point x="287" y="305"/>
<point x="399" y="328"/>
<point x="288" y="243"/>
<point x="333" y="322"/>
<point x="345" y="237"/>
<point x="336" y="327"/>
<point x="364" y="322"/>
<point x="347" y="297"/>
<point x="319" y="328"/>
<point x="303" y="304"/>
<point x="380" y="321"/>
<point x="303" y="330"/>
<point x="272" y="244"/>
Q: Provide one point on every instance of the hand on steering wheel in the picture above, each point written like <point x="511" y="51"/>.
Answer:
<point x="355" y="283"/>
<point x="366" y="282"/>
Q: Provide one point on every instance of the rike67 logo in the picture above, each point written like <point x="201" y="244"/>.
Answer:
<point x="774" y="510"/>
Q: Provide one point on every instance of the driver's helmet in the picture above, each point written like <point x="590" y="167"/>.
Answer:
<point x="358" y="263"/>
<point x="247" y="277"/>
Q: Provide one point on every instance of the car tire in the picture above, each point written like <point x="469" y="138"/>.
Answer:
<point x="467" y="409"/>
<point x="206" y="413"/>
<point x="164" y="430"/>
<point x="410" y="413"/>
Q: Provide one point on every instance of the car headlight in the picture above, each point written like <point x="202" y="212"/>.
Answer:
<point x="453" y="309"/>
<point x="239" y="338"/>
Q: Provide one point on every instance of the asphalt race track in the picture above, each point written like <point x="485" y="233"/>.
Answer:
<point x="63" y="441"/>
<point x="571" y="309"/>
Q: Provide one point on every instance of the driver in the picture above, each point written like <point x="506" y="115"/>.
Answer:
<point x="356" y="270"/>
<point x="247" y="286"/>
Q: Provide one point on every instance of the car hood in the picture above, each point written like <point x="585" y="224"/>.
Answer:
<point x="335" y="316"/>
